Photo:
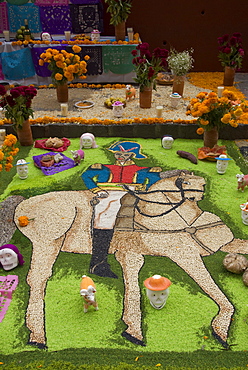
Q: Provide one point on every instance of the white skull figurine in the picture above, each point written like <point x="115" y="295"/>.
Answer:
<point x="8" y="259"/>
<point x="157" y="290"/>
<point x="167" y="142"/>
<point x="45" y="36"/>
<point x="22" y="168"/>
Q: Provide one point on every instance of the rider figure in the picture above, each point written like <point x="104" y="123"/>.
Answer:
<point x="107" y="182"/>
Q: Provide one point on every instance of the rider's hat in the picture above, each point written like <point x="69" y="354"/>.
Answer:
<point x="127" y="146"/>
<point x="157" y="282"/>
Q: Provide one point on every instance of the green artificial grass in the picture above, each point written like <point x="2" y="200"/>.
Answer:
<point x="176" y="336"/>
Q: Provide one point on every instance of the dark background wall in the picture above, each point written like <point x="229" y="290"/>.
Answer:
<point x="183" y="24"/>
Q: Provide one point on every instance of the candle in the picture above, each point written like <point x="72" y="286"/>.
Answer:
<point x="130" y="34"/>
<point x="6" y="35"/>
<point x="159" y="110"/>
<point x="67" y="35"/>
<point x="2" y="137"/>
<point x="64" y="109"/>
<point x="220" y="91"/>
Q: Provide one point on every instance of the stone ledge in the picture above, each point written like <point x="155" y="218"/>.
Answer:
<point x="146" y="131"/>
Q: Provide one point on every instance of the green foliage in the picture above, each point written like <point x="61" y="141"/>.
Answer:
<point x="119" y="10"/>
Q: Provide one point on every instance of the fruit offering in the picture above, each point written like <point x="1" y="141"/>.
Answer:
<point x="108" y="102"/>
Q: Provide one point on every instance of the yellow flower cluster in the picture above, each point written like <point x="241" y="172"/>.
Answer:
<point x="64" y="66"/>
<point x="214" y="112"/>
<point x="7" y="152"/>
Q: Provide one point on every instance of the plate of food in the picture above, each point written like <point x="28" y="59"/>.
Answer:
<point x="108" y="102"/>
<point x="164" y="79"/>
<point x="84" y="104"/>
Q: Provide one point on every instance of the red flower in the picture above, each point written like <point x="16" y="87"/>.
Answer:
<point x="2" y="90"/>
<point x="10" y="100"/>
<point x="150" y="72"/>
<point x="134" y="52"/>
<point x="16" y="92"/>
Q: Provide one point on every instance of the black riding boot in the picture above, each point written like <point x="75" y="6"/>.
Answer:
<point x="100" y="246"/>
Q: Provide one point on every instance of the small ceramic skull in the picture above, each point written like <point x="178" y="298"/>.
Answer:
<point x="45" y="36"/>
<point x="87" y="141"/>
<point x="10" y="257"/>
<point x="22" y="168"/>
<point x="157" y="290"/>
<point x="167" y="142"/>
<point x="222" y="163"/>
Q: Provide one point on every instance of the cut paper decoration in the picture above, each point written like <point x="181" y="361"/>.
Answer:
<point x="55" y="19"/>
<point x="86" y="18"/>
<point x="4" y="22"/>
<point x="85" y="2"/>
<point x="117" y="59"/>
<point x="7" y="285"/>
<point x="17" y="64"/>
<point x="17" y="14"/>
<point x="41" y="144"/>
<point x="63" y="165"/>
<point x="51" y="2"/>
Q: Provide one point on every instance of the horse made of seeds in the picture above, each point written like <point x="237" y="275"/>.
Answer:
<point x="164" y="221"/>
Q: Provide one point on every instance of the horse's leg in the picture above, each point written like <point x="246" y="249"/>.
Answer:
<point x="131" y="264"/>
<point x="43" y="258"/>
<point x="236" y="246"/>
<point x="191" y="262"/>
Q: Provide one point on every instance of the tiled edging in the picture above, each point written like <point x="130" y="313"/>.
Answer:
<point x="184" y="131"/>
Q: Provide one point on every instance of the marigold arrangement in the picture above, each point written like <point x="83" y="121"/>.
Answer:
<point x="17" y="103"/>
<point x="64" y="66"/>
<point x="231" y="52"/>
<point x="148" y="64"/>
<point x="214" y="112"/>
<point x="7" y="152"/>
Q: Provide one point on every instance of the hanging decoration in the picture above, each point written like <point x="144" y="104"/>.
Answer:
<point x="28" y="11"/>
<point x="55" y="19"/>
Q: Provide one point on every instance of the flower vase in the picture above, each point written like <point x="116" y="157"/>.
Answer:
<point x="145" y="97"/>
<point x="24" y="134"/>
<point x="120" y="31"/>
<point x="210" y="138"/>
<point x="229" y="74"/>
<point x="178" y="85"/>
<point x="62" y="93"/>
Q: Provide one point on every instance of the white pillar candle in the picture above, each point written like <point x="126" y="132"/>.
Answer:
<point x="2" y="136"/>
<point x="67" y="35"/>
<point x="6" y="35"/>
<point x="159" y="110"/>
<point x="130" y="34"/>
<point x="64" y="109"/>
<point x="220" y="90"/>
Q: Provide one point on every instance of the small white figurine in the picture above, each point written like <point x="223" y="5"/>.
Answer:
<point x="45" y="36"/>
<point x="244" y="212"/>
<point x="130" y="92"/>
<point x="78" y="156"/>
<point x="157" y="290"/>
<point x="118" y="108"/>
<point x="87" y="141"/>
<point x="22" y="168"/>
<point x="175" y="99"/>
<point x="222" y="163"/>
<point x="167" y="142"/>
<point x="95" y="35"/>
<point x="10" y="257"/>
<point x="87" y="291"/>
<point x="58" y="157"/>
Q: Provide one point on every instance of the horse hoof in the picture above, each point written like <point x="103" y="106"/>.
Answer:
<point x="133" y="339"/>
<point x="38" y="345"/>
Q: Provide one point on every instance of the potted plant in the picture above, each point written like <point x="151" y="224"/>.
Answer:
<point x="119" y="11"/>
<point x="180" y="63"/>
<point x="147" y="66"/>
<point x="65" y="67"/>
<point x="214" y="113"/>
<point x="17" y="107"/>
<point x="231" y="54"/>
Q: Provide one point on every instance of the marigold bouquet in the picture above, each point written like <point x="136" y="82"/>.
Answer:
<point x="17" y="103"/>
<point x="7" y="152"/>
<point x="214" y="112"/>
<point x="64" y="66"/>
<point x="231" y="52"/>
<point x="148" y="64"/>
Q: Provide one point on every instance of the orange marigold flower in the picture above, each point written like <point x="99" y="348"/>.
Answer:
<point x="1" y="155"/>
<point x="76" y="48"/>
<point x="226" y="118"/>
<point x="8" y="167"/>
<point x="87" y="57"/>
<point x="23" y="220"/>
<point x="200" y="131"/>
<point x="58" y="76"/>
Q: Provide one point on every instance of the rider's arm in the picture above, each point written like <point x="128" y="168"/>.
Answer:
<point x="148" y="176"/>
<point x="94" y="174"/>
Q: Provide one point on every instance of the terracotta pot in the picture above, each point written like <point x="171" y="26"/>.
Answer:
<point x="24" y="134"/>
<point x="62" y="93"/>
<point x="120" y="31"/>
<point x="210" y="138"/>
<point x="178" y="85"/>
<point x="229" y="74"/>
<point x="145" y="97"/>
